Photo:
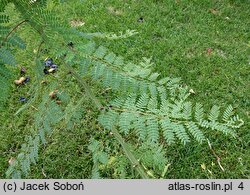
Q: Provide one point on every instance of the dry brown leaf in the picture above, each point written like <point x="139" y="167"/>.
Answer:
<point x="52" y="94"/>
<point x="214" y="11"/>
<point x="209" y="51"/>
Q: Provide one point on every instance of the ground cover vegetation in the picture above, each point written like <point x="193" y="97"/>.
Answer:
<point x="124" y="89"/>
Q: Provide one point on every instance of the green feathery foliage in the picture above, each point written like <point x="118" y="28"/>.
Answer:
<point x="149" y="119"/>
<point x="8" y="42"/>
<point x="99" y="156"/>
<point x="123" y="76"/>
<point x="49" y="113"/>
<point x="155" y="113"/>
<point x="6" y="57"/>
<point x="5" y="84"/>
<point x="3" y="3"/>
<point x="153" y="158"/>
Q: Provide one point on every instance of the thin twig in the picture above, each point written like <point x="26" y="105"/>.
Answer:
<point x="38" y="49"/>
<point x="44" y="174"/>
<point x="34" y="108"/>
<point x="13" y="30"/>
<point x="217" y="157"/>
<point x="98" y="104"/>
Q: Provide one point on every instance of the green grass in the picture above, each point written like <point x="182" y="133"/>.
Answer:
<point x="177" y="35"/>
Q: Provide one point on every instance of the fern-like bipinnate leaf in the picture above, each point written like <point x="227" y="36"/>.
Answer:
<point x="155" y="111"/>
<point x="5" y="84"/>
<point x="199" y="112"/>
<point x="228" y="113"/>
<point x="4" y="18"/>
<point x="113" y="71"/>
<point x="99" y="157"/>
<point x="6" y="57"/>
<point x="214" y="113"/>
<point x="49" y="113"/>
<point x="143" y="117"/>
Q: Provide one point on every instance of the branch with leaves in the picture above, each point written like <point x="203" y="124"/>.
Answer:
<point x="152" y="109"/>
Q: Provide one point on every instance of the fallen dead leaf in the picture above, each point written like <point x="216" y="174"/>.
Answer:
<point x="191" y="91"/>
<point x="114" y="11"/>
<point x="203" y="166"/>
<point x="53" y="94"/>
<point x="76" y="22"/>
<point x="209" y="51"/>
<point x="11" y="161"/>
<point x="214" y="11"/>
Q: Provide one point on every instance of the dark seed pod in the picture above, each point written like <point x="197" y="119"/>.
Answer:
<point x="141" y="19"/>
<point x="27" y="79"/>
<point x="70" y="44"/>
<point x="22" y="71"/>
<point x="23" y="99"/>
<point x="45" y="71"/>
<point x="54" y="66"/>
<point x="48" y="62"/>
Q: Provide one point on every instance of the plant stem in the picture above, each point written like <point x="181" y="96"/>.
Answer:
<point x="88" y="91"/>
<point x="117" y="135"/>
<point x="129" y="154"/>
<point x="90" y="94"/>
<point x="13" y="30"/>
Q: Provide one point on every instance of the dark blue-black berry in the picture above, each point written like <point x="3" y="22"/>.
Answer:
<point x="23" y="99"/>
<point x="141" y="19"/>
<point x="27" y="79"/>
<point x="53" y="66"/>
<point x="48" y="62"/>
<point x="45" y="71"/>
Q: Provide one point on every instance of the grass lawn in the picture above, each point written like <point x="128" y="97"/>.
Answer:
<point x="206" y="43"/>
